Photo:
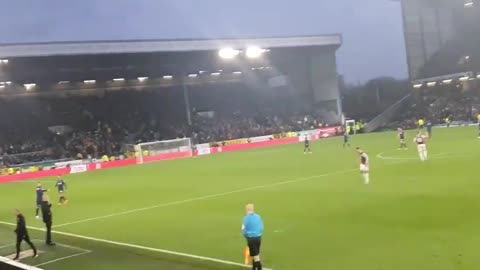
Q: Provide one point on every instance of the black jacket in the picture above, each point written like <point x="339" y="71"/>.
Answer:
<point x="46" y="212"/>
<point x="21" y="225"/>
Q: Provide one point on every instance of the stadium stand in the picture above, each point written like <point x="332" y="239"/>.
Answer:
<point x="94" y="126"/>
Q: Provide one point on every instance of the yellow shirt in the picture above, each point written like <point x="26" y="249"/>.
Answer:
<point x="421" y="122"/>
<point x="105" y="158"/>
<point x="478" y="118"/>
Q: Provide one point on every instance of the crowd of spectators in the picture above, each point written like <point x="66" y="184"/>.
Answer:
<point x="453" y="103"/>
<point x="94" y="126"/>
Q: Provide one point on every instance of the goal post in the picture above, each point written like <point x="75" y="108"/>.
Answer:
<point x="350" y="125"/>
<point x="162" y="150"/>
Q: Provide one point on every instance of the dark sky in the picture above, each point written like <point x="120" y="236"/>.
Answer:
<point x="372" y="29"/>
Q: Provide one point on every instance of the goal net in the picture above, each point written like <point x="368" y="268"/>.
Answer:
<point x="163" y="150"/>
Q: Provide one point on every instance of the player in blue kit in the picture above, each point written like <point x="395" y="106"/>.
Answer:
<point x="402" y="137"/>
<point x="429" y="129"/>
<point x="61" y="187"/>
<point x="307" y="146"/>
<point x="40" y="190"/>
<point x="346" y="139"/>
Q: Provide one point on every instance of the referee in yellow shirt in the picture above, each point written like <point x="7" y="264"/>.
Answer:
<point x="421" y="122"/>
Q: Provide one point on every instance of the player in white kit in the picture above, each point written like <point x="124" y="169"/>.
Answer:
<point x="421" y="141"/>
<point x="364" y="165"/>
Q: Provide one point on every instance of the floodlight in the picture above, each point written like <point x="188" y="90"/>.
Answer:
<point x="431" y="84"/>
<point x="89" y="81"/>
<point x="464" y="78"/>
<point x="29" y="86"/>
<point x="447" y="81"/>
<point x="168" y="77"/>
<point x="192" y="75"/>
<point x="215" y="74"/>
<point x="237" y="72"/>
<point x="468" y="4"/>
<point x="228" y="53"/>
<point x="119" y="80"/>
<point x="3" y="61"/>
<point x="254" y="52"/>
<point x="419" y="85"/>
<point x="142" y="79"/>
<point x="63" y="82"/>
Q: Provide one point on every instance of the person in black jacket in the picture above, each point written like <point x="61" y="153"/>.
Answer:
<point x="47" y="219"/>
<point x="22" y="234"/>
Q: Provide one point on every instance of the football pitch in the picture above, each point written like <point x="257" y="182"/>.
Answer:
<point x="318" y="214"/>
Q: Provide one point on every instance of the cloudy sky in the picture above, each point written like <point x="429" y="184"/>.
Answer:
<point x="372" y="29"/>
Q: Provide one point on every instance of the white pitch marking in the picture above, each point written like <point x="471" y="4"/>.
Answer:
<point x="64" y="258"/>
<point x="204" y="197"/>
<point x="7" y="246"/>
<point x="18" y="264"/>
<point x="64" y="245"/>
<point x="381" y="156"/>
<point x="203" y="258"/>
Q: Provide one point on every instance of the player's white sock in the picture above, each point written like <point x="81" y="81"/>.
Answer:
<point x="366" y="178"/>
<point x="425" y="155"/>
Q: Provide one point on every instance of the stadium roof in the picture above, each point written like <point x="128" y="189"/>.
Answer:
<point x="143" y="46"/>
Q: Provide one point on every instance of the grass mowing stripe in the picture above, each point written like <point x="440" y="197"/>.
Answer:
<point x="170" y="252"/>
<point x="205" y="197"/>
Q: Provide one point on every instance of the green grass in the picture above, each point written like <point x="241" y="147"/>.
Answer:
<point x="413" y="215"/>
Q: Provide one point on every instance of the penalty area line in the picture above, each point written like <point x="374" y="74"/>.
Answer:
<point x="158" y="250"/>
<point x="206" y="197"/>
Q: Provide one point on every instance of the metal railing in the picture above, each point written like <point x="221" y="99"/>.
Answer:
<point x="384" y="117"/>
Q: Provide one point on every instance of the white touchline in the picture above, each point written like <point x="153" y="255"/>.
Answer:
<point x="204" y="197"/>
<point x="7" y="246"/>
<point x="63" y="258"/>
<point x="203" y="258"/>
<point x="381" y="156"/>
<point x="18" y="264"/>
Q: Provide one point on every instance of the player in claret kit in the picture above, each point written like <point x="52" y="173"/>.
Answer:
<point x="421" y="141"/>
<point x="402" y="137"/>
<point x="364" y="165"/>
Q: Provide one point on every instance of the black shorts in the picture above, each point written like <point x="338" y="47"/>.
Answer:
<point x="254" y="245"/>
